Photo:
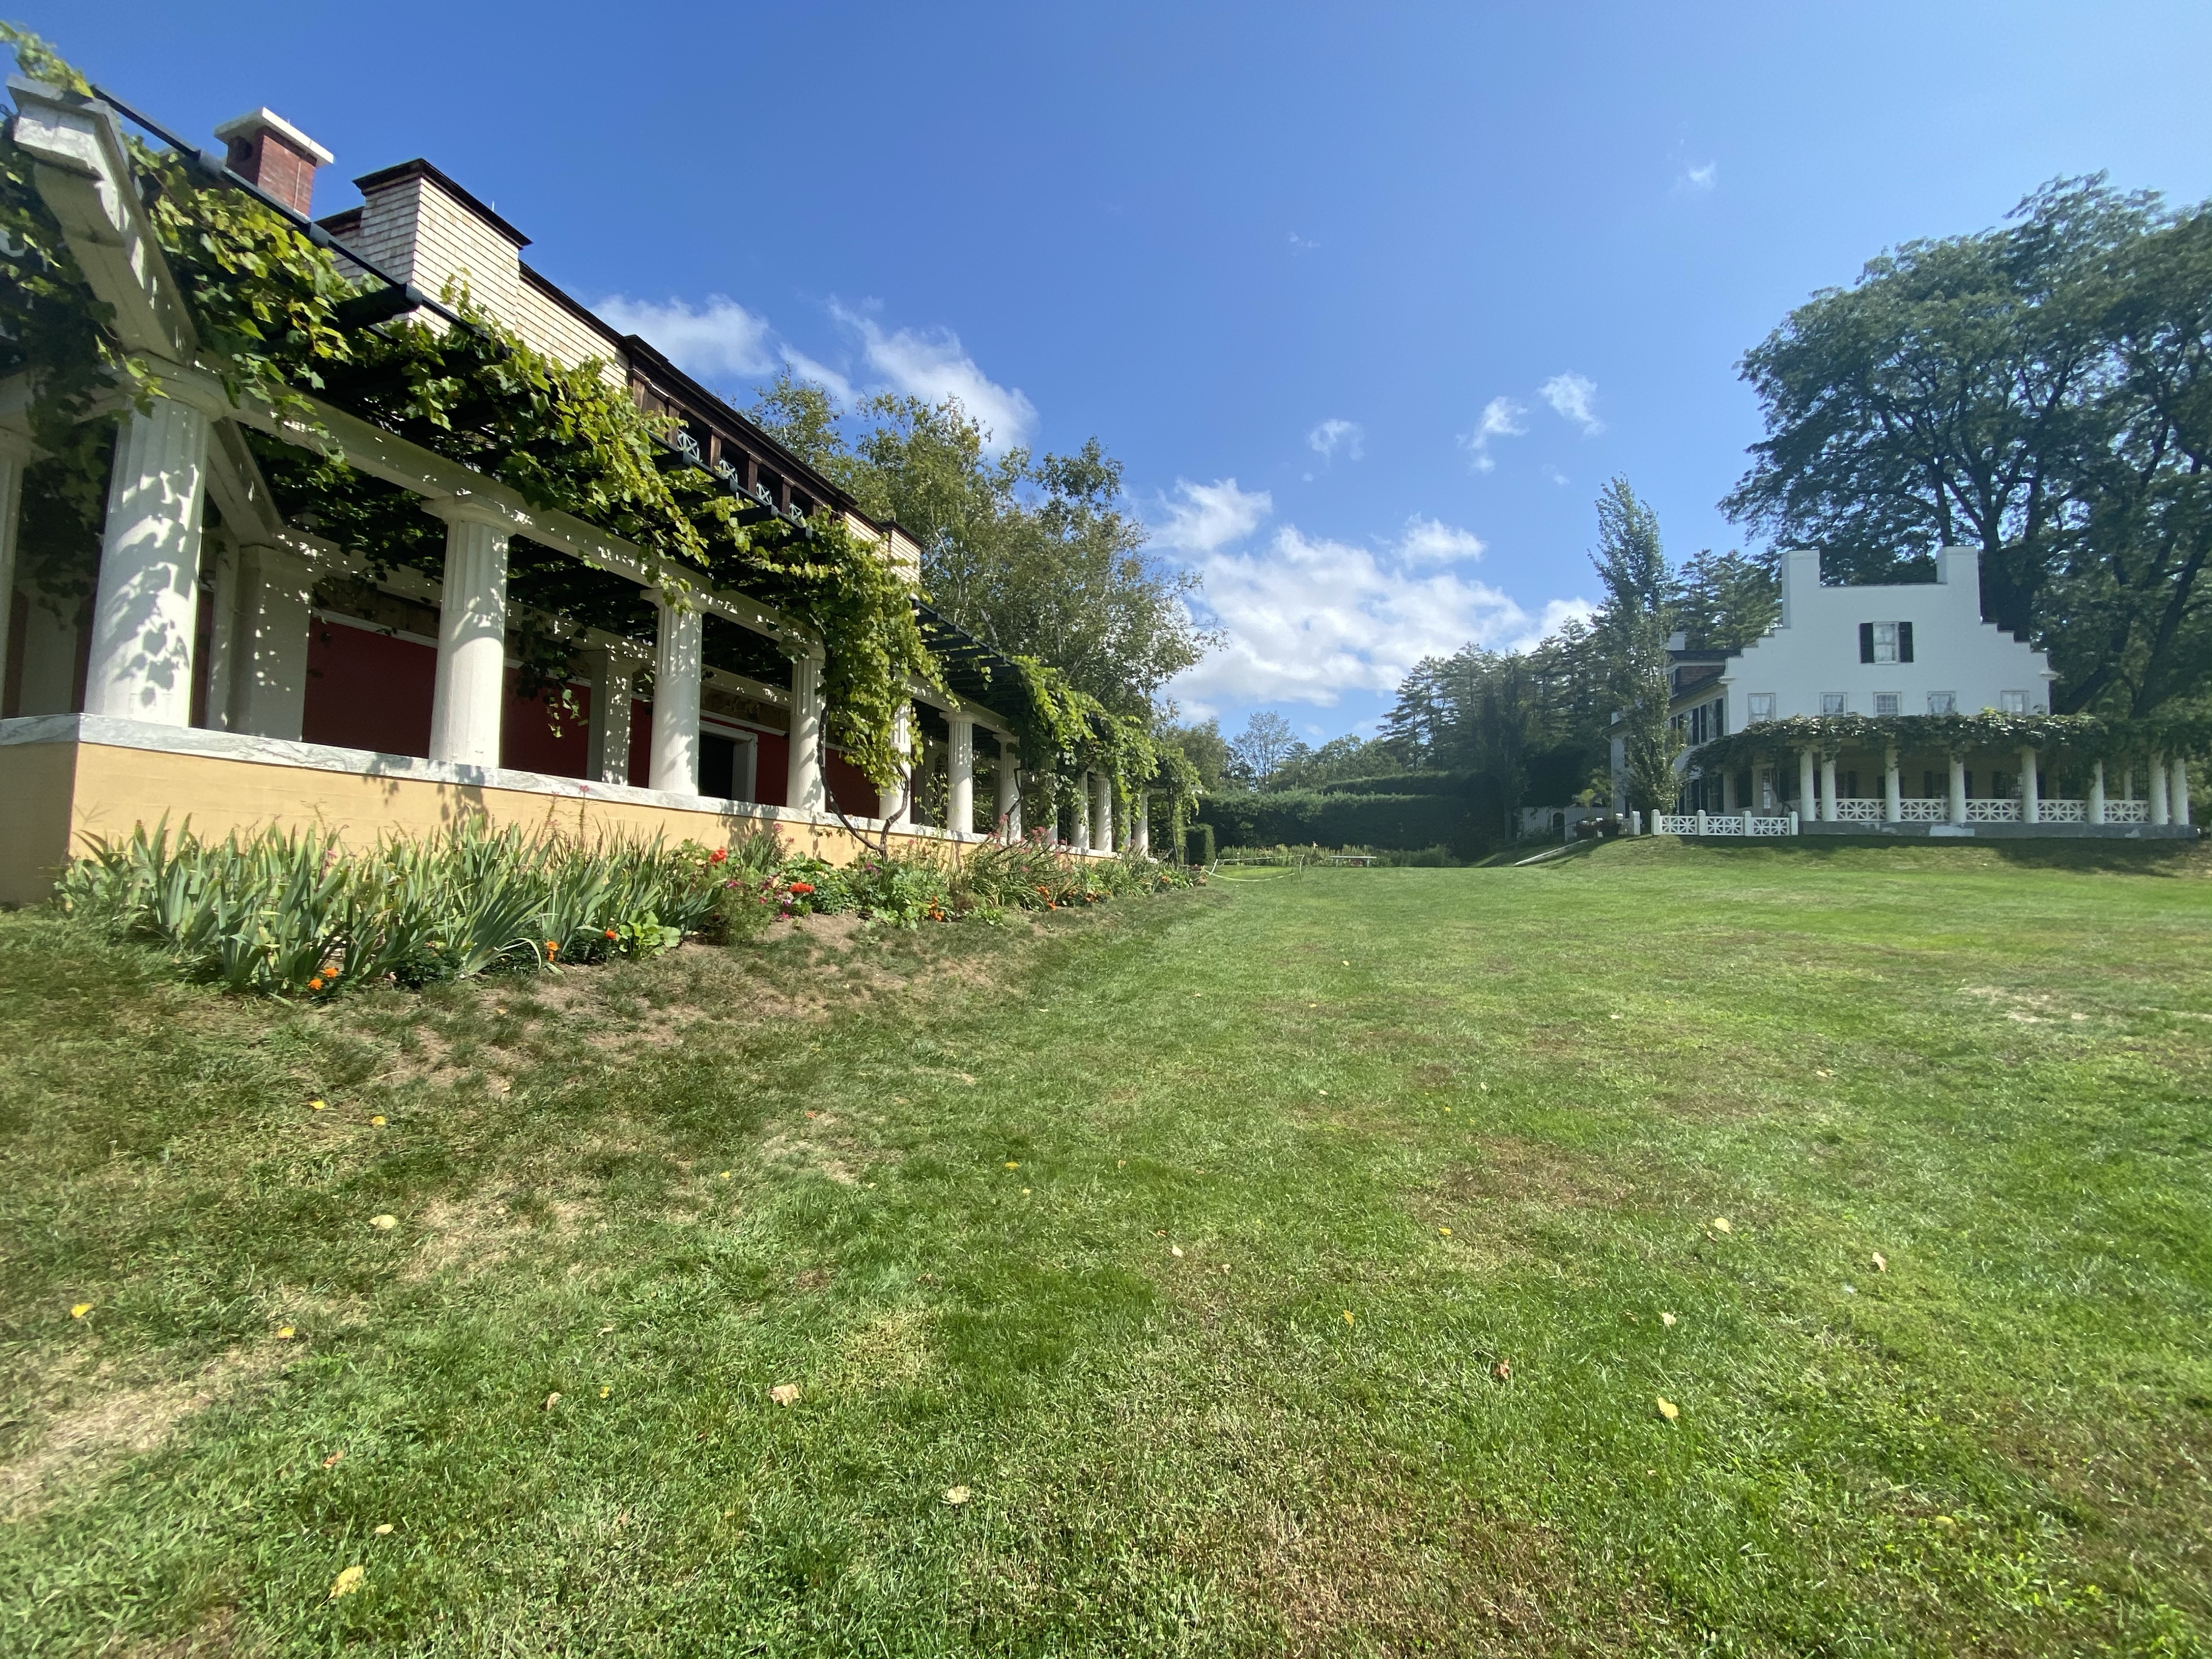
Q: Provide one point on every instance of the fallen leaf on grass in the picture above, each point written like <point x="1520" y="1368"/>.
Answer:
<point x="552" y="1399"/>
<point x="80" y="1309"/>
<point x="1011" y="1164"/>
<point x="785" y="1394"/>
<point x="348" y="1582"/>
<point x="1720" y="1225"/>
<point x="1446" y="1232"/>
<point x="285" y="1333"/>
<point x="377" y="1121"/>
<point x="1880" y="1266"/>
<point x="318" y="1105"/>
<point x="1503" y="1370"/>
<point x="384" y="1530"/>
<point x="956" y="1495"/>
<point x="383" y="1224"/>
<point x="1174" y="1249"/>
<point x="1668" y="1320"/>
<point x="1347" y="1317"/>
<point x="1668" y="1409"/>
<point x="332" y="1462"/>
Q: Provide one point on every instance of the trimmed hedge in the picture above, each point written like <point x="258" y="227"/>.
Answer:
<point x="1470" y="819"/>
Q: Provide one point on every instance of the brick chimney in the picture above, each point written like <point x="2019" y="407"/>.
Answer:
<point x="268" y="150"/>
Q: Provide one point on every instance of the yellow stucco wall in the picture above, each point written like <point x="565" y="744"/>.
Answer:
<point x="52" y="795"/>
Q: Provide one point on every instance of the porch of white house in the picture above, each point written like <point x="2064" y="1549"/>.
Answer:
<point x="2007" y="795"/>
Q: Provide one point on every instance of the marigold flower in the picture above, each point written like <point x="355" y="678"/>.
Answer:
<point x="612" y="934"/>
<point x="552" y="947"/>
<point x="314" y="985"/>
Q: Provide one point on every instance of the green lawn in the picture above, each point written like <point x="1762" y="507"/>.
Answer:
<point x="1280" y="1267"/>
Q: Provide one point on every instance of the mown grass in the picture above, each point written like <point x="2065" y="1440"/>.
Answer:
<point x="1192" y="1237"/>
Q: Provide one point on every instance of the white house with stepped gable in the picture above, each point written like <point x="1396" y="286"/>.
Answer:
<point x="1914" y="652"/>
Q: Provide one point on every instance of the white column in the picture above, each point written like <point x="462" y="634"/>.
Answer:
<point x="1958" y="789"/>
<point x="1140" y="832"/>
<point x="1102" y="813"/>
<point x="14" y="457"/>
<point x="2178" y="790"/>
<point x="144" y="608"/>
<point x="894" y="806"/>
<point x="804" y="790"/>
<point x="960" y="773"/>
<point x="2160" y="807"/>
<point x="675" y="758"/>
<point x="1892" y="791"/>
<point x="1728" y="802"/>
<point x="267" y="650"/>
<point x="1007" y="808"/>
<point x="1827" y="788"/>
<point x="606" y="743"/>
<point x="1808" y="806"/>
<point x="2030" y="791"/>
<point x="471" y="694"/>
<point x="1081" y="814"/>
<point x="2096" y="794"/>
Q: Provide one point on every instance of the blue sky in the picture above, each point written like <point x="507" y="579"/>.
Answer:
<point x="1370" y="300"/>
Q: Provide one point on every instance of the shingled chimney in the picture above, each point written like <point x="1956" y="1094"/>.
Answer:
<point x="268" y="150"/>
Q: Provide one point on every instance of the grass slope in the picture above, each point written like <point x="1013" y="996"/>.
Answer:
<point x="1279" y="1268"/>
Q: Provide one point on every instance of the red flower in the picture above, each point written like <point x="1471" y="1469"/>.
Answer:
<point x="802" y="887"/>
<point x="718" y="855"/>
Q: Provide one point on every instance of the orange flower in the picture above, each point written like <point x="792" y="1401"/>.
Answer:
<point x="314" y="985"/>
<point x="612" y="934"/>
<point x="552" y="947"/>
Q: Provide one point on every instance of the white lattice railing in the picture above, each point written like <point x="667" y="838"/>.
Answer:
<point x="1716" y="823"/>
<point x="1858" y="809"/>
<point x="1922" y="810"/>
<point x="2127" y="811"/>
<point x="1993" y="811"/>
<point x="2062" y="812"/>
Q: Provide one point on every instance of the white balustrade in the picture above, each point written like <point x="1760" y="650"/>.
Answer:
<point x="1858" y="809"/>
<point x="1917" y="809"/>
<point x="2127" y="811"/>
<point x="2062" y="812"/>
<point x="1993" y="811"/>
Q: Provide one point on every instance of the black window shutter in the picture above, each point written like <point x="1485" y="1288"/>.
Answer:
<point x="1904" y="641"/>
<point x="1866" y="641"/>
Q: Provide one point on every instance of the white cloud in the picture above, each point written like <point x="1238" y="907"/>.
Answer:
<point x="930" y="364"/>
<point x="1501" y="418"/>
<point x="1431" y="541"/>
<point x="1299" y="244"/>
<point x="1552" y="475"/>
<point x="1698" y="179"/>
<point x="1574" y="398"/>
<point x="1211" y="516"/>
<point x="1307" y="620"/>
<point x="721" y="338"/>
<point x="1324" y="439"/>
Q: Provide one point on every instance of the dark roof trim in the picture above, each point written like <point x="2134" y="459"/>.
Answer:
<point x="419" y="169"/>
<point x="649" y="365"/>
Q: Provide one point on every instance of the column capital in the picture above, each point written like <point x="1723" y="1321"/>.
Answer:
<point x="470" y="509"/>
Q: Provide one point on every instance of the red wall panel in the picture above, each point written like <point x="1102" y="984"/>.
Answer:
<point x="368" y="690"/>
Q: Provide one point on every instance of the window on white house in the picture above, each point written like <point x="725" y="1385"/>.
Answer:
<point x="1759" y="706"/>
<point x="1890" y="642"/>
<point x="1942" y="703"/>
<point x="1887" y="702"/>
<point x="1832" y="702"/>
<point x="2013" y="703"/>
